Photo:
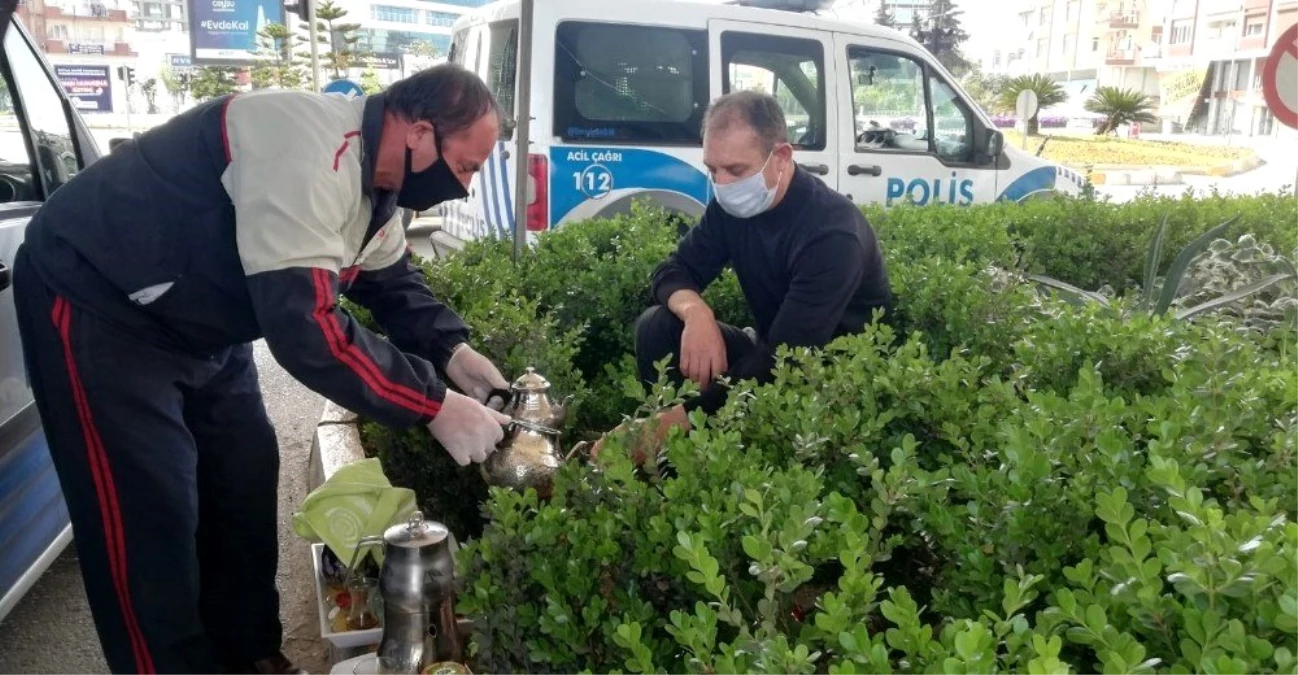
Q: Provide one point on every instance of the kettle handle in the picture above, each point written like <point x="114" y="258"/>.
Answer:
<point x="504" y="395"/>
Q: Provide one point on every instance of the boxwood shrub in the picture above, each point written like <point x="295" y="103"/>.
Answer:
<point x="999" y="481"/>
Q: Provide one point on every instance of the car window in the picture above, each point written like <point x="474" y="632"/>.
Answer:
<point x="629" y="83"/>
<point x="952" y="123"/>
<point x="889" y="102"/>
<point x="791" y="69"/>
<point x="41" y="105"/>
<point x="502" y="70"/>
<point x="15" y="159"/>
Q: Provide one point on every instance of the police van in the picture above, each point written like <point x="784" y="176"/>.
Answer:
<point x="618" y="91"/>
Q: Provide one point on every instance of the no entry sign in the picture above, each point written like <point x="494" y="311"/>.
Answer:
<point x="1280" y="79"/>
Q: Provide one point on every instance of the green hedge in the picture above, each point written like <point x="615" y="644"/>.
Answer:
<point x="1008" y="483"/>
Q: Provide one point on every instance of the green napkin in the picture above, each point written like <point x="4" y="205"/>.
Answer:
<point x="356" y="502"/>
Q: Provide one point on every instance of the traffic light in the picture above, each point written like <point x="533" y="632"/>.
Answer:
<point x="300" y="8"/>
<point x="126" y="74"/>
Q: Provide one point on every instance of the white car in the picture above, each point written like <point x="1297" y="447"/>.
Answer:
<point x="43" y="143"/>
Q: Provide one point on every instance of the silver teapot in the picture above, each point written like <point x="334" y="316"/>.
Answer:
<point x="530" y="454"/>
<point x="417" y="583"/>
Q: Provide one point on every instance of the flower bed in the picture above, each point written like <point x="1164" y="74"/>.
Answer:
<point x="1004" y="482"/>
<point x="1083" y="151"/>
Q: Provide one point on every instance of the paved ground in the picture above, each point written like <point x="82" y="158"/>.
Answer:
<point x="1279" y="172"/>
<point x="51" y="630"/>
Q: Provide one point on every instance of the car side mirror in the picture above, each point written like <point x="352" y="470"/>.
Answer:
<point x="995" y="144"/>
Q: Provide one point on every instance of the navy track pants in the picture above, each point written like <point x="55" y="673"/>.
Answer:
<point x="169" y="466"/>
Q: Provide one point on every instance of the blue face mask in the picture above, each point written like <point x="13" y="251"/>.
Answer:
<point x="748" y="197"/>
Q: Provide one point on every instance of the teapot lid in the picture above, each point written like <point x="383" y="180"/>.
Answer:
<point x="416" y="532"/>
<point x="530" y="380"/>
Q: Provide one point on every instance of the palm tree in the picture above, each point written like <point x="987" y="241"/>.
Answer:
<point x="1119" y="107"/>
<point x="1047" y="90"/>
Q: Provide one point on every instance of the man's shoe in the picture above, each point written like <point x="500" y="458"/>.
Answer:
<point x="275" y="665"/>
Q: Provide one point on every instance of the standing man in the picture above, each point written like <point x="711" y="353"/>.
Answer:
<point x="807" y="260"/>
<point x="139" y="288"/>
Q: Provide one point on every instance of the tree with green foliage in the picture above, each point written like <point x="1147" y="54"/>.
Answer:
<point x="370" y="82"/>
<point x="177" y="86"/>
<point x="340" y="37"/>
<point x="884" y="16"/>
<point x="279" y="67"/>
<point x="1119" y="107"/>
<point x="1047" y="90"/>
<point x="210" y="82"/>
<point x="941" y="34"/>
<point x="984" y="88"/>
<point x="150" y="90"/>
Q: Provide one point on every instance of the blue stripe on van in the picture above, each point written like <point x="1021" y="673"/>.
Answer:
<point x="509" y="196"/>
<point x="489" y="197"/>
<point x="490" y="170"/>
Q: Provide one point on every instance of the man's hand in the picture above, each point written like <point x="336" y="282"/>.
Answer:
<point x="651" y="434"/>
<point x="467" y="429"/>
<point x="703" y="350"/>
<point x="474" y="374"/>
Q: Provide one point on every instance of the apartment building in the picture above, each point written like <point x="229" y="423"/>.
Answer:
<point x="79" y="31"/>
<point x="1082" y="44"/>
<point x="1214" y="53"/>
<point x="161" y="15"/>
<point x="393" y="26"/>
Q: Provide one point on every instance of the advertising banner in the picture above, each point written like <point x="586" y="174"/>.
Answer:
<point x="89" y="87"/>
<point x="225" y="31"/>
<point x="1179" y="92"/>
<point x="381" y="61"/>
<point x="180" y="61"/>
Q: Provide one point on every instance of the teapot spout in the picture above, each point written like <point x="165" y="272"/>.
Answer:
<point x="561" y="410"/>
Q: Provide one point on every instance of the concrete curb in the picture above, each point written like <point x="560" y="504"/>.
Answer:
<point x="336" y="444"/>
<point x="1172" y="175"/>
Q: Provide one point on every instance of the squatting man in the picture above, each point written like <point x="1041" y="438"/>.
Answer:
<point x="808" y="262"/>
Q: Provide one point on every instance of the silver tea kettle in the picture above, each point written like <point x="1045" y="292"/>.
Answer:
<point x="417" y="584"/>
<point x="530" y="454"/>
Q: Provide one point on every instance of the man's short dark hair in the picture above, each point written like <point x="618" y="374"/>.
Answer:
<point x="448" y="96"/>
<point x="759" y="112"/>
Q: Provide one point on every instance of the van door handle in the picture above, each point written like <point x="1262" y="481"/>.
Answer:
<point x="818" y="169"/>
<point x="857" y="169"/>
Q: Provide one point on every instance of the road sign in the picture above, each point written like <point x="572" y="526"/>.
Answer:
<point x="1026" y="106"/>
<point x="344" y="88"/>
<point x="1280" y="79"/>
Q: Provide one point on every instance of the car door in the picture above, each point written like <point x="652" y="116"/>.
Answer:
<point x="43" y="144"/>
<point x="909" y="135"/>
<point x="796" y="66"/>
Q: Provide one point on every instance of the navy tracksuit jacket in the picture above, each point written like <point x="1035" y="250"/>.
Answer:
<point x="139" y="286"/>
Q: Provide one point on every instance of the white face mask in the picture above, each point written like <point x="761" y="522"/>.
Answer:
<point x="748" y="197"/>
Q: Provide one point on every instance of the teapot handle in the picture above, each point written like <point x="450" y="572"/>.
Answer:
<point x="503" y="394"/>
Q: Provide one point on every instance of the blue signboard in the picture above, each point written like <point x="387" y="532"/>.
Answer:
<point x="344" y="88"/>
<point x="225" y="31"/>
<point x="180" y="61"/>
<point x="89" y="87"/>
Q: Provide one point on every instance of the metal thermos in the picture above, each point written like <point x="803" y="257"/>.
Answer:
<point x="417" y="583"/>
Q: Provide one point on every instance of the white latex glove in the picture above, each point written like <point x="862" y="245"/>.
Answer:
<point x="474" y="374"/>
<point x="467" y="429"/>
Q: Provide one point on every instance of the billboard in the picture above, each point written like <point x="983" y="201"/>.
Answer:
<point x="89" y="87"/>
<point x="1179" y="92"/>
<point x="381" y="60"/>
<point x="225" y="31"/>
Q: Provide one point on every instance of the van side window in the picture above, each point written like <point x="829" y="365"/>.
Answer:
<point x="40" y="105"/>
<point x="16" y="183"/>
<point x="625" y="83"/>
<point x="502" y="71"/>
<point x="791" y="69"/>
<point x="900" y="105"/>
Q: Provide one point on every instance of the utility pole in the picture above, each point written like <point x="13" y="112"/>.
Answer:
<point x="315" y="45"/>
<point x="522" y="132"/>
